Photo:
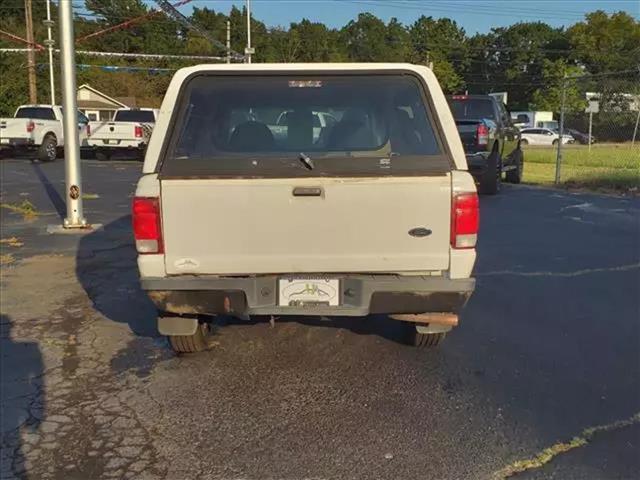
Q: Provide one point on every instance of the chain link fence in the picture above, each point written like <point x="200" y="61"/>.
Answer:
<point x="601" y="116"/>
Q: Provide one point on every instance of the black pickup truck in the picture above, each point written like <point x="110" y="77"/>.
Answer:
<point x="490" y="140"/>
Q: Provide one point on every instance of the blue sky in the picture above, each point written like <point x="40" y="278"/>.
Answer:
<point x="473" y="15"/>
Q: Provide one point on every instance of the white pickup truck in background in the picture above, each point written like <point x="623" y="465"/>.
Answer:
<point x="38" y="128"/>
<point x="128" y="132"/>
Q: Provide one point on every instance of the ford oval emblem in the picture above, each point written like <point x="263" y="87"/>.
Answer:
<point x="419" y="232"/>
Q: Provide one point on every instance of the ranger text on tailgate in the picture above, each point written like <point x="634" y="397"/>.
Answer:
<point x="360" y="203"/>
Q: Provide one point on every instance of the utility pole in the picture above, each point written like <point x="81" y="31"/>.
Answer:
<point x="73" y="193"/>
<point x="248" y="51"/>
<point x="228" y="41"/>
<point x="31" y="54"/>
<point x="590" y="129"/>
<point x="49" y="43"/>
<point x="561" y="133"/>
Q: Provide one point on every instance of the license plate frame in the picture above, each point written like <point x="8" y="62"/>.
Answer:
<point x="309" y="292"/>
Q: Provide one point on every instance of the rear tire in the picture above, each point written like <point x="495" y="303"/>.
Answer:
<point x="48" y="150"/>
<point x="197" y="342"/>
<point x="555" y="143"/>
<point x="515" y="175"/>
<point x="490" y="180"/>
<point x="423" y="340"/>
<point x="103" y="155"/>
<point x="524" y="141"/>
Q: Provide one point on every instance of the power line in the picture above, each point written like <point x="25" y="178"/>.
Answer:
<point x="157" y="56"/>
<point x="454" y="4"/>
<point x="128" y="22"/>
<point x="468" y="9"/>
<point x="18" y="39"/>
<point x="176" y="15"/>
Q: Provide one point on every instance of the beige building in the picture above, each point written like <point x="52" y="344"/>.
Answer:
<point x="100" y="106"/>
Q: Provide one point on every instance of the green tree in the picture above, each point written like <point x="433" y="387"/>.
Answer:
<point x="511" y="59"/>
<point x="368" y="39"/>
<point x="549" y="97"/>
<point x="443" y="43"/>
<point x="154" y="34"/>
<point x="315" y="42"/>
<point x="285" y="45"/>
<point x="605" y="42"/>
<point x="215" y="24"/>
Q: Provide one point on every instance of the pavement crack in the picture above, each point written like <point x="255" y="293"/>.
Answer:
<point x="549" y="453"/>
<point x="577" y="273"/>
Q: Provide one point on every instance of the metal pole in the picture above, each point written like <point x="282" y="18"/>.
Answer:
<point x="559" y="153"/>
<point x="31" y="55"/>
<point x="590" y="129"/>
<point x="50" y="43"/>
<point x="228" y="41"/>
<point x="248" y="51"/>
<point x="73" y="193"/>
<point x="635" y="130"/>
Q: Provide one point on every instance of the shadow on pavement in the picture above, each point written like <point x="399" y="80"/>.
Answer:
<point x="379" y="325"/>
<point x="107" y="270"/>
<point x="52" y="193"/>
<point x="21" y="394"/>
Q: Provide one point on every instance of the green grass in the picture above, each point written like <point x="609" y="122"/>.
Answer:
<point x="608" y="167"/>
<point x="25" y="208"/>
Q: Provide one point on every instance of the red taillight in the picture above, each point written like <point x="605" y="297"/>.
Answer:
<point x="31" y="126"/>
<point x="138" y="131"/>
<point x="459" y="97"/>
<point x="482" y="135"/>
<point x="88" y="130"/>
<point x="465" y="220"/>
<point x="147" y="228"/>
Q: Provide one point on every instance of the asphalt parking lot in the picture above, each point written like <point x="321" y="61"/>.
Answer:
<point x="548" y="348"/>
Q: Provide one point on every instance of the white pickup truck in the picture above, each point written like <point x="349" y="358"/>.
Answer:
<point x="38" y="128"/>
<point x="377" y="214"/>
<point x="129" y="131"/>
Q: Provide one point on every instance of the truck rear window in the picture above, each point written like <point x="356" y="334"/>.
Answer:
<point x="141" y="116"/>
<point x="266" y="125"/>
<point x="472" y="108"/>
<point x="39" y="113"/>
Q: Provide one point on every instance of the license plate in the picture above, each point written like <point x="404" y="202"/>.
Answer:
<point x="112" y="142"/>
<point x="301" y="292"/>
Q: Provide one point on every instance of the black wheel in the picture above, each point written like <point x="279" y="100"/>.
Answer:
<point x="515" y="175"/>
<point x="423" y="340"/>
<point x="555" y="142"/>
<point x="490" y="180"/>
<point x="197" y="342"/>
<point x="524" y="141"/>
<point x="48" y="150"/>
<point x="103" y="155"/>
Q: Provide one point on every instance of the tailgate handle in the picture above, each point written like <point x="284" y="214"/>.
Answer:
<point x="307" y="192"/>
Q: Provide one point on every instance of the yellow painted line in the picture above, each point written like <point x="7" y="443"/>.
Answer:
<point x="12" y="242"/>
<point x="549" y="453"/>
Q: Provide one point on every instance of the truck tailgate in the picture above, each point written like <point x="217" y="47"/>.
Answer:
<point x="467" y="130"/>
<point x="114" y="131"/>
<point x="253" y="226"/>
<point x="14" y="128"/>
